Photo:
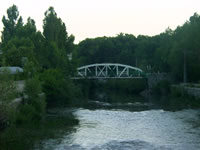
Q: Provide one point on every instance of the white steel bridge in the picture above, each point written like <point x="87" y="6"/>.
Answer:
<point x="108" y="70"/>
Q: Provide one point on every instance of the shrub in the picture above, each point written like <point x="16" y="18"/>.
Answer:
<point x="162" y="88"/>
<point x="33" y="107"/>
<point x="59" y="89"/>
<point x="7" y="94"/>
<point x="7" y="87"/>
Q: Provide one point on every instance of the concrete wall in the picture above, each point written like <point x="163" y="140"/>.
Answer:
<point x="193" y="91"/>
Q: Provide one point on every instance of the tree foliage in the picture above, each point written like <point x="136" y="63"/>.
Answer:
<point x="58" y="89"/>
<point x="38" y="53"/>
<point x="11" y="23"/>
<point x="33" y="109"/>
<point x="57" y="42"/>
<point x="7" y="87"/>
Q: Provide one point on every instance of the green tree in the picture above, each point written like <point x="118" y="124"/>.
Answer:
<point x="16" y="49"/>
<point x="54" y="29"/>
<point x="34" y="107"/>
<point x="119" y="49"/>
<point x="19" y="41"/>
<point x="162" y="52"/>
<point x="185" y="42"/>
<point x="57" y="42"/>
<point x="11" y="23"/>
<point x="58" y="89"/>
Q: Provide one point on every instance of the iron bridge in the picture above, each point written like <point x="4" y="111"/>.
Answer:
<point x="108" y="70"/>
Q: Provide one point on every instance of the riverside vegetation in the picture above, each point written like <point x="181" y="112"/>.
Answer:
<point x="44" y="56"/>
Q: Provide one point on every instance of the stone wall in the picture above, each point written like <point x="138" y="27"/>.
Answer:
<point x="193" y="91"/>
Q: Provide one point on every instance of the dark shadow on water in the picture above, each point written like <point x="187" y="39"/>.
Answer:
<point x="119" y="101"/>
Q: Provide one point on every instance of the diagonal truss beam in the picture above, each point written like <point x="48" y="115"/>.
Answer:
<point x="108" y="70"/>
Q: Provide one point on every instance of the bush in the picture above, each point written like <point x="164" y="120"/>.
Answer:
<point x="7" y="87"/>
<point x="33" y="108"/>
<point x="179" y="99"/>
<point x="59" y="90"/>
<point x="7" y="94"/>
<point x="162" y="88"/>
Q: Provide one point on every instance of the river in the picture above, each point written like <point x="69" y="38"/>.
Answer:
<point x="126" y="129"/>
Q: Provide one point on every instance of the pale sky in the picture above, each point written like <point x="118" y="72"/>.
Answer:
<point x="94" y="18"/>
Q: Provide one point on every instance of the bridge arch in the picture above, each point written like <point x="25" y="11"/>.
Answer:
<point x="109" y="70"/>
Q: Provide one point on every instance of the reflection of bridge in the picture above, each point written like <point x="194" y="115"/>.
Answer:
<point x="108" y="70"/>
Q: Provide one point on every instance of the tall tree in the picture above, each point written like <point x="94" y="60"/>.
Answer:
<point x="55" y="29"/>
<point x="57" y="42"/>
<point x="11" y="23"/>
<point x="18" y="40"/>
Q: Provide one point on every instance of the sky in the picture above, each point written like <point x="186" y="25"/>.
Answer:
<point x="95" y="18"/>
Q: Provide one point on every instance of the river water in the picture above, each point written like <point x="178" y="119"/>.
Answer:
<point x="125" y="129"/>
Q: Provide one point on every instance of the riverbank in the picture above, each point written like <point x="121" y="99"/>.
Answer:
<point x="25" y="137"/>
<point x="173" y="97"/>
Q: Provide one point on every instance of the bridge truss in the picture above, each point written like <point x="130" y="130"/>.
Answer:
<point x="108" y="70"/>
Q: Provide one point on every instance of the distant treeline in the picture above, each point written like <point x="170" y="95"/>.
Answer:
<point x="165" y="52"/>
